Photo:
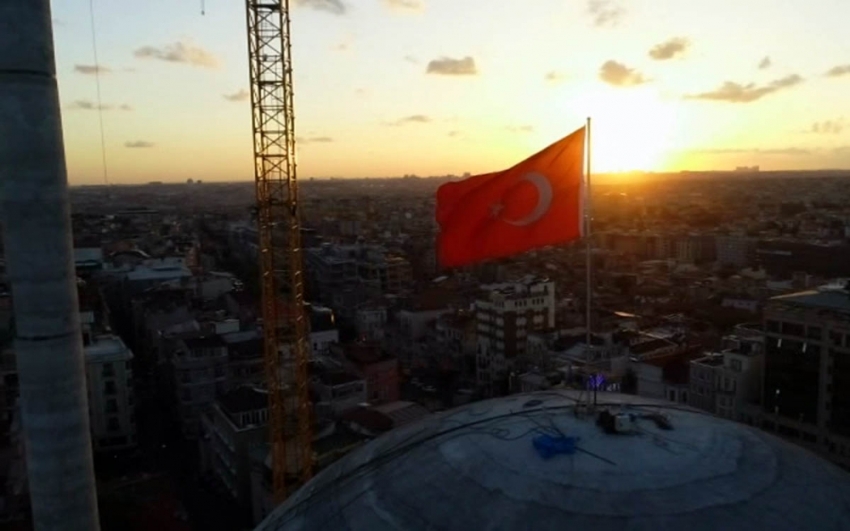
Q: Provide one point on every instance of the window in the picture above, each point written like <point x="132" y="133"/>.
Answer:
<point x="109" y="388"/>
<point x="111" y="406"/>
<point x="112" y="424"/>
<point x="793" y="329"/>
<point x="108" y="370"/>
<point x="813" y="332"/>
<point x="835" y="338"/>
<point x="772" y="326"/>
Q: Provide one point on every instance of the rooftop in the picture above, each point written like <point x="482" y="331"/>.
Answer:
<point x="107" y="348"/>
<point x="338" y="378"/>
<point x="244" y="399"/>
<point x="715" y="360"/>
<point x="476" y="467"/>
<point x="827" y="298"/>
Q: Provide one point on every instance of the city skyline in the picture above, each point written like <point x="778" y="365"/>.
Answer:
<point x="460" y="90"/>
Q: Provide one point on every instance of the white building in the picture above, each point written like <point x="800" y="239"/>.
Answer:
<point x="110" y="388"/>
<point x="338" y="392"/>
<point x="505" y="315"/>
<point x="369" y="321"/>
<point x="729" y="383"/>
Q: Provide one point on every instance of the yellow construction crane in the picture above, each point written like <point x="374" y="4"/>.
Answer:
<point x="280" y="255"/>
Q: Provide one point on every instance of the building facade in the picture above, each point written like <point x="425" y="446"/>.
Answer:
<point x="237" y="421"/>
<point x="109" y="376"/>
<point x="199" y="374"/>
<point x="806" y="386"/>
<point x="505" y="315"/>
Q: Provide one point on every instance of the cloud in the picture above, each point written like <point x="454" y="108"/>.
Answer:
<point x="737" y="93"/>
<point x="88" y="105"/>
<point x="139" y="144"/>
<point x="178" y="52"/>
<point x="453" y="133"/>
<point x="412" y="119"/>
<point x="521" y="128"/>
<point x="337" y="7"/>
<point x="840" y="70"/>
<point x="452" y="67"/>
<point x="91" y="69"/>
<point x="669" y="49"/>
<point x="554" y="76"/>
<point x="239" y="95"/>
<point x="314" y="140"/>
<point x="405" y="5"/>
<point x="605" y="12"/>
<point x="828" y="127"/>
<point x="765" y="63"/>
<point x="620" y="75"/>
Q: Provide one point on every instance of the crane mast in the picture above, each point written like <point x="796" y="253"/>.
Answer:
<point x="279" y="234"/>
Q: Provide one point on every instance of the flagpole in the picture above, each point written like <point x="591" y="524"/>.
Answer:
<point x="587" y="237"/>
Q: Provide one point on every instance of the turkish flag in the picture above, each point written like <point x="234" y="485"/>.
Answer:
<point x="536" y="203"/>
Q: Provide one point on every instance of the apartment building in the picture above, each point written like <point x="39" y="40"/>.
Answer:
<point x="338" y="391"/>
<point x="505" y="315"/>
<point x="199" y="366"/>
<point x="237" y="421"/>
<point x="109" y="377"/>
<point x="333" y="267"/>
<point x="806" y="377"/>
<point x="806" y="393"/>
<point x="737" y="251"/>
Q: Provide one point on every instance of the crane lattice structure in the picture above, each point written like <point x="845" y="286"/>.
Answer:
<point x="279" y="233"/>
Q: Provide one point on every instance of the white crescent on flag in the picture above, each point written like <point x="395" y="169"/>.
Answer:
<point x="544" y="200"/>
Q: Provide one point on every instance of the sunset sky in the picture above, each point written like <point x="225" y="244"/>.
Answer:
<point x="432" y="87"/>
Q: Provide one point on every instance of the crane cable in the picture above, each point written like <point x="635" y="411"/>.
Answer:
<point x="99" y="99"/>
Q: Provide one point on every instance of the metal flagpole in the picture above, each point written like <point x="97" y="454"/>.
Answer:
<point x="587" y="242"/>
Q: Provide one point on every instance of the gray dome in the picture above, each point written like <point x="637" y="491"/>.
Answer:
<point x="476" y="468"/>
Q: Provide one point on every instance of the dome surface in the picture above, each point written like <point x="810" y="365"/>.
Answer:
<point x="481" y="467"/>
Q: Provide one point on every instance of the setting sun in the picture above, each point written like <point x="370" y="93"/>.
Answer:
<point x="630" y="130"/>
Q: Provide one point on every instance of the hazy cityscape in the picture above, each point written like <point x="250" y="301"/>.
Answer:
<point x="698" y="279"/>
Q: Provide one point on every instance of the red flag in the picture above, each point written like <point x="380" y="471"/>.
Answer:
<point x="536" y="203"/>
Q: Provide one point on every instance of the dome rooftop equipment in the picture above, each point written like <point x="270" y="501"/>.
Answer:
<point x="532" y="462"/>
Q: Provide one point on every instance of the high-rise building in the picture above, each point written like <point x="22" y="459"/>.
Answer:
<point x="807" y="368"/>
<point x="505" y="315"/>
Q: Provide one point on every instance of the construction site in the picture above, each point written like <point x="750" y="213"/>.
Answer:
<point x="217" y="356"/>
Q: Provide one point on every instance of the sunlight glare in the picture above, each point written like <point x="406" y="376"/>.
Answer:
<point x="631" y="129"/>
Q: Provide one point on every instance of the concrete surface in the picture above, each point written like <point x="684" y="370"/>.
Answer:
<point x="476" y="468"/>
